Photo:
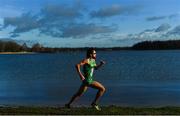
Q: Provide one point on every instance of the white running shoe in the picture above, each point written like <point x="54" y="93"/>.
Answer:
<point x="96" y="107"/>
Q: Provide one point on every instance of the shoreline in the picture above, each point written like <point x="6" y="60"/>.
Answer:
<point x="17" y="52"/>
<point x="106" y="110"/>
<point x="78" y="51"/>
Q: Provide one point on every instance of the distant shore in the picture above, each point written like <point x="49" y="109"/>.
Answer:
<point x="106" y="110"/>
<point x="17" y="52"/>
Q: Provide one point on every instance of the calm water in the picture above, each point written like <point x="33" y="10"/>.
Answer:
<point x="131" y="78"/>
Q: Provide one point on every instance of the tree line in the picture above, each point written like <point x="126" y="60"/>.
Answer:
<point x="157" y="45"/>
<point x="11" y="46"/>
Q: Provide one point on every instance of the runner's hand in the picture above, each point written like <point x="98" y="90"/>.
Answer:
<point x="102" y="62"/>
<point x="82" y="78"/>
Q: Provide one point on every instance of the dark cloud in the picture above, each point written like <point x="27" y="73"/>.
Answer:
<point x="1" y="26"/>
<point x="159" y="33"/>
<point x="148" y="30"/>
<point x="56" y="21"/>
<point x="154" y="18"/>
<point x="175" y="31"/>
<point x="51" y="17"/>
<point x="86" y="29"/>
<point x="24" y="23"/>
<point x="113" y="10"/>
<point x="55" y="18"/>
<point x="163" y="27"/>
<point x="78" y="30"/>
<point x="61" y="12"/>
<point x="173" y="16"/>
<point x="163" y="32"/>
<point x="14" y="35"/>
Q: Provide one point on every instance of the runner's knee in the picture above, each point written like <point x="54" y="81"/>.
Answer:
<point x="103" y="89"/>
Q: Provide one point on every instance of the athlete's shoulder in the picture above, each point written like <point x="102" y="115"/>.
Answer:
<point x="86" y="60"/>
<point x="92" y="60"/>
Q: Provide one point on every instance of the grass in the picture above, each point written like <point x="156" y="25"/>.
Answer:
<point x="111" y="110"/>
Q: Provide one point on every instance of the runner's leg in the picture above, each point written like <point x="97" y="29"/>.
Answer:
<point x="100" y="92"/>
<point x="78" y="94"/>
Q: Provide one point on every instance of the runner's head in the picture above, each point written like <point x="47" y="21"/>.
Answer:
<point x="91" y="53"/>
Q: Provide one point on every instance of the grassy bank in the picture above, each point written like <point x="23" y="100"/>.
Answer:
<point x="85" y="110"/>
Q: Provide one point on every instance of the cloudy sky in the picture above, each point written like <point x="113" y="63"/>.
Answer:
<point x="89" y="23"/>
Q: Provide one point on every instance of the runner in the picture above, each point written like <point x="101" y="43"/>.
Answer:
<point x="89" y="64"/>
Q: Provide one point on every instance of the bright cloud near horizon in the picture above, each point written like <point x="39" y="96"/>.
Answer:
<point x="89" y="23"/>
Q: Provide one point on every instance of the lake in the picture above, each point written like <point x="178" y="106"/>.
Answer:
<point x="131" y="78"/>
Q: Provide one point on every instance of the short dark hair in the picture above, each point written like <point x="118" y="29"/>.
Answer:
<point x="89" y="51"/>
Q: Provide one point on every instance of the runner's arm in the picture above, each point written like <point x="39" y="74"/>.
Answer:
<point x="83" y="62"/>
<point x="101" y="63"/>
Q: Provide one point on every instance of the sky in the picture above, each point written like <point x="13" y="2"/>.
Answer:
<point x="89" y="23"/>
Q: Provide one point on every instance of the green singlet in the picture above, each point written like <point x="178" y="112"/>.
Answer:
<point x="88" y="70"/>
